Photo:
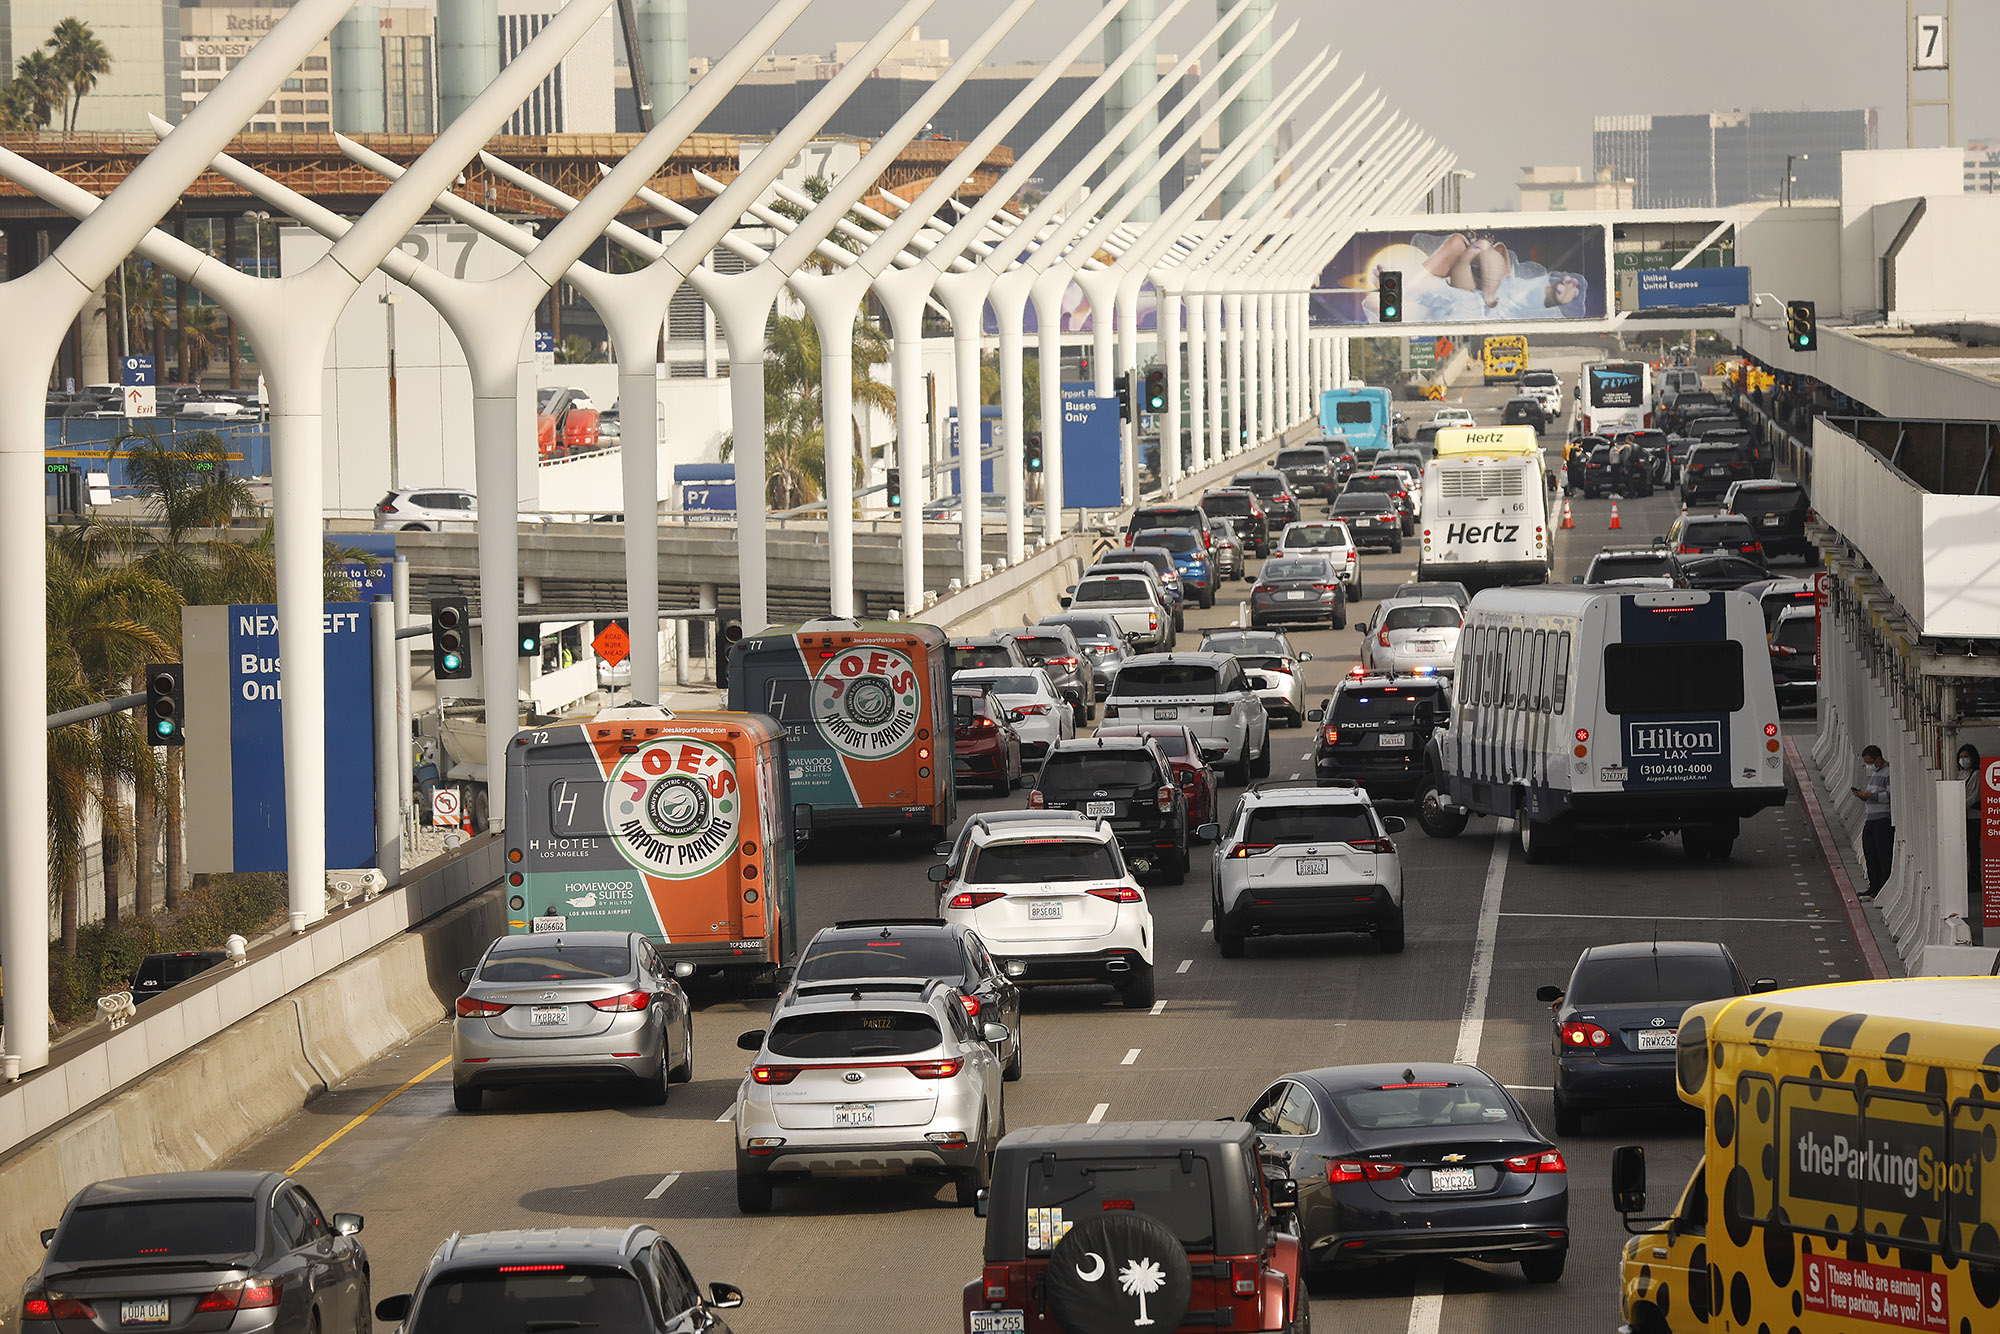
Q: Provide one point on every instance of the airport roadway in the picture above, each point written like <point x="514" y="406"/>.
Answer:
<point x="1485" y="930"/>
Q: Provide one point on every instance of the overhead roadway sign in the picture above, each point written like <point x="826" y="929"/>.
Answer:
<point x="1692" y="289"/>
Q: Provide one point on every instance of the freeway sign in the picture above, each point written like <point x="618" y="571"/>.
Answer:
<point x="1423" y="354"/>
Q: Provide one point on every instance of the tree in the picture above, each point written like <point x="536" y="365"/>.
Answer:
<point x="43" y="87"/>
<point x="575" y="350"/>
<point x="77" y="58"/>
<point x="1141" y="1279"/>
<point x="1031" y="388"/>
<point x="817" y="188"/>
<point x="794" y="442"/>
<point x="202" y="335"/>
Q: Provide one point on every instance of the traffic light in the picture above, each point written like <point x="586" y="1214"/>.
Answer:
<point x="1801" y="326"/>
<point x="1083" y="366"/>
<point x="528" y="640"/>
<point x="728" y="633"/>
<point x="1124" y="383"/>
<point x="1156" y="391"/>
<point x="894" y="486"/>
<point x="451" y="658"/>
<point x="166" y="704"/>
<point x="1033" y="452"/>
<point x="1390" y="290"/>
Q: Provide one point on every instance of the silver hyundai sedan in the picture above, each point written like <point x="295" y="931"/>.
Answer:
<point x="570" y="1006"/>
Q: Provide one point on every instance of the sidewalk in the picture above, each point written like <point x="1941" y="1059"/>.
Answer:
<point x="1837" y="849"/>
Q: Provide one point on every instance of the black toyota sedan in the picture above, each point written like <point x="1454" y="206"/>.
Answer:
<point x="1423" y="1159"/>
<point x="1613" y="1027"/>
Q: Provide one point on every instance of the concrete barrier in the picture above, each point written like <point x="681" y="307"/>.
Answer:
<point x="207" y="1103"/>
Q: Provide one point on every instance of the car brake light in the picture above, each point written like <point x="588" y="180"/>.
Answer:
<point x="934" y="1069"/>
<point x="971" y="1004"/>
<point x="1382" y="636"/>
<point x="1152" y="620"/>
<point x="1552" y="1161"/>
<point x="1249" y="849"/>
<point x="251" y="1294"/>
<point x="1350" y="1170"/>
<point x="1032" y="710"/>
<point x="1757" y="547"/>
<point x="982" y="725"/>
<point x="1331" y="735"/>
<point x="385" y="508"/>
<point x="1243" y="1277"/>
<point x="630" y="1001"/>
<point x="993" y="1282"/>
<point x="1224" y="710"/>
<point x="1577" y="1035"/>
<point x="774" y="1074"/>
<point x="472" y="1008"/>
<point x="1115" y="894"/>
<point x="1035" y="799"/>
<point x="1062" y="662"/>
<point x="1780" y="651"/>
<point x="1684" y="550"/>
<point x="1770" y="729"/>
<point x="1111" y="710"/>
<point x="1165" y="798"/>
<point x="974" y="898"/>
<point x="1371" y="845"/>
<point x="56" y="1308"/>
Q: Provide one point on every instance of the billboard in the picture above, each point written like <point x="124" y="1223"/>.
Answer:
<point x="1490" y="276"/>
<point x="1093" y="476"/>
<point x="1692" y="288"/>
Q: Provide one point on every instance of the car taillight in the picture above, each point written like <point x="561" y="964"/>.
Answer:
<point x="1578" y="1036"/>
<point x="1277" y="552"/>
<point x="1530" y="1163"/>
<point x="1324" y="588"/>
<point x="1035" y="799"/>
<point x="471" y="1008"/>
<point x="1331" y="735"/>
<point x="1062" y="662"/>
<point x="974" y="898"/>
<point x="1780" y="651"/>
<point x="971" y="1004"/>
<point x="1243" y="1277"/>
<point x="1224" y="710"/>
<point x="1032" y="710"/>
<point x="1111" y="710"/>
<point x="1389" y="517"/>
<point x="629" y="1001"/>
<point x="1165" y="798"/>
<point x="1349" y="1170"/>
<point x="56" y="1308"/>
<point x="934" y="1069"/>
<point x="1115" y="893"/>
<point x="385" y="508"/>
<point x="1371" y="845"/>
<point x="1249" y="849"/>
<point x="1402" y="495"/>
<point x="982" y="725"/>
<point x="1684" y="550"/>
<point x="1382" y="636"/>
<point x="993" y="1282"/>
<point x="1152" y="620"/>
<point x="774" y="1074"/>
<point x="251" y="1294"/>
<point x="1757" y="547"/>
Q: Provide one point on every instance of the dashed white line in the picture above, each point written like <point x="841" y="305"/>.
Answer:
<point x="728" y="1113"/>
<point x="1208" y="926"/>
<point x="661" y="1189"/>
<point x="1426" y="1312"/>
<point x="1652" y="917"/>
<point x="1097" y="1113"/>
<point x="1185" y="965"/>
<point x="1131" y="1057"/>
<point x="1159" y="1007"/>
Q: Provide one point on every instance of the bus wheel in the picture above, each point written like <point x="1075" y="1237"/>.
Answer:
<point x="1437" y="820"/>
<point x="1538" y="844"/>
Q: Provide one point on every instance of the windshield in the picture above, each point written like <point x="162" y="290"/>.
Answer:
<point x="1086" y="771"/>
<point x="1771" y="501"/>
<point x="1798" y="633"/>
<point x="913" y="954"/>
<point x="1315" y="535"/>
<point x="550" y="963"/>
<point x="1717" y="530"/>
<point x="1238" y="505"/>
<point x="1108" y="590"/>
<point x="1538" y="377"/>
<point x="1630" y="567"/>
<point x="1422" y="618"/>
<point x="1301" y="458"/>
<point x="1308" y="824"/>
<point x="1277" y="571"/>
<point x="1354" y="410"/>
<point x="1386" y="707"/>
<point x="551" y="1298"/>
<point x="1626" y="980"/>
<point x="1086" y="627"/>
<point x="1239" y="644"/>
<point x="1165" y="678"/>
<point x="1148" y="519"/>
<point x="1375" y="482"/>
<point x="1701" y="676"/>
<point x="1417" y="1107"/>
<point x="844" y="1034"/>
<point x="157" y="1230"/>
<point x="1042" y="860"/>
<point x="1041" y="646"/>
<point x="1263" y="486"/>
<point x="1017" y="684"/>
<point x="1173" y="1192"/>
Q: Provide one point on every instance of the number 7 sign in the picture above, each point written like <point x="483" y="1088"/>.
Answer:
<point x="1932" y="47"/>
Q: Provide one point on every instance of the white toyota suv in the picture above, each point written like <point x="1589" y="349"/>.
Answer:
<point x="1055" y="903"/>
<point x="1209" y="694"/>
<point x="1133" y="601"/>
<point x="1306" y="859"/>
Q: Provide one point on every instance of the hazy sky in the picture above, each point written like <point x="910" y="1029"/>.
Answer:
<point x="1517" y="84"/>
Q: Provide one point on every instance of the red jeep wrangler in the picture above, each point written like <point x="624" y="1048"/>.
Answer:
<point x="1157" y="1226"/>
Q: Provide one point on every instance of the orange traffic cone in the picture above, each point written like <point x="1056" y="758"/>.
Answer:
<point x="1615" y="525"/>
<point x="1569" y="520"/>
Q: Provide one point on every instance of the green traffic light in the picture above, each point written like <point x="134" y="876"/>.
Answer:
<point x="164" y="727"/>
<point x="451" y="662"/>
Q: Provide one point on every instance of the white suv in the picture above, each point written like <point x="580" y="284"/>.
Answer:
<point x="869" y="1080"/>
<point x="427" y="509"/>
<point x="1206" y="692"/>
<point x="1055" y="903"/>
<point x="1306" y="860"/>
<point x="1328" y="538"/>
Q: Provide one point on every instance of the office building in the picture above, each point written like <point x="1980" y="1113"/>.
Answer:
<point x="1732" y="157"/>
<point x="143" y="38"/>
<point x="1570" y="190"/>
<point x="578" y="96"/>
<point x="214" y="37"/>
<point x="1982" y="168"/>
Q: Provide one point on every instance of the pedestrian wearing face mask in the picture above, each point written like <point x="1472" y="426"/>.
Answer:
<point x="1878" y="835"/>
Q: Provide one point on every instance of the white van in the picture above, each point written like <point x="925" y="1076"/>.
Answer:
<point x="1608" y="711"/>
<point x="1485" y="509"/>
<point x="1617" y="396"/>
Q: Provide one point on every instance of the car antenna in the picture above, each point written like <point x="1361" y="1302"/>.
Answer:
<point x="1409" y="1075"/>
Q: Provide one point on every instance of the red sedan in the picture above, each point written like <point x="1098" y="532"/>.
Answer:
<point x="988" y="748"/>
<point x="1195" y="775"/>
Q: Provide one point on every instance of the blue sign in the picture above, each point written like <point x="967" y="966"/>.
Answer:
<point x="138" y="371"/>
<point x="256" y="738"/>
<point x="368" y="584"/>
<point x="1688" y="289"/>
<point x="545" y="341"/>
<point x="989" y="422"/>
<point x="707" y="490"/>
<point x="1093" y="475"/>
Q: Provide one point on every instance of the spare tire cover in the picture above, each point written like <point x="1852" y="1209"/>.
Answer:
<point x="1118" y="1271"/>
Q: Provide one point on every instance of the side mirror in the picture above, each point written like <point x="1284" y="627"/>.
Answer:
<point x="347" y="1225"/>
<point x="751" y="1041"/>
<point x="1284" y="1193"/>
<point x="465" y="974"/>
<point x="941" y="850"/>
<point x="724" y="1296"/>
<point x="1063" y="600"/>
<point x="1360" y="629"/>
<point x="396" y="1308"/>
<point x="1576" y="578"/>
<point x="48" y="1235"/>
<point x="1315" y="715"/>
<point x="937" y="875"/>
<point x="979" y="1202"/>
<point x="1549" y="995"/>
<point x="994" y="1032"/>
<point x="1208" y="833"/>
<point x="1764" y="984"/>
<point x="1305" y="657"/>
<point x="1628" y="1178"/>
<point x="1394" y="824"/>
<point x="802" y="823"/>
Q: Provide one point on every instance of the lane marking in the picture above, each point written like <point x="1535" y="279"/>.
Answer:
<point x="661" y="1189"/>
<point x="728" y="1113"/>
<point x="1130" y="1057"/>
<point x="1472" y="1022"/>
<point x="1426" y="1310"/>
<point x="1208" y="926"/>
<point x="1097" y="1113"/>
<point x="1657" y="917"/>
<point x="1185" y="965"/>
<point x="386" y="1099"/>
<point x="1531" y="1088"/>
<point x="1158" y="1007"/>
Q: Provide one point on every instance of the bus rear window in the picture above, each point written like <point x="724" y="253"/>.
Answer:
<point x="1354" y="410"/>
<point x="1700" y="676"/>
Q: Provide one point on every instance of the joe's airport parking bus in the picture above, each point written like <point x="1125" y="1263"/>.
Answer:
<point x="676" y="825"/>
<point x="1849" y="1183"/>
<point x="866" y="709"/>
<point x="1486" y="513"/>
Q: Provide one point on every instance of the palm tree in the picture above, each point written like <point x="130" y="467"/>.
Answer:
<point x="17" y="106"/>
<point x="201" y="337"/>
<point x="44" y="87"/>
<point x="817" y="188"/>
<point x="575" y="350"/>
<point x="1031" y="388"/>
<point x="1141" y="1279"/>
<point x="78" y="58"/>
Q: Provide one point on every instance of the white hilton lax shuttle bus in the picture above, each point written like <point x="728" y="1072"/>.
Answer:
<point x="1625" y="713"/>
<point x="1486" y="508"/>
<point x="1617" y="396"/>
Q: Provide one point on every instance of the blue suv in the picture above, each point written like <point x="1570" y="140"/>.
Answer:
<point x="1192" y="559"/>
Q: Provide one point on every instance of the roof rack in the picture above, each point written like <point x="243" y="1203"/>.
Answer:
<point x="864" y="923"/>
<point x="1279" y="784"/>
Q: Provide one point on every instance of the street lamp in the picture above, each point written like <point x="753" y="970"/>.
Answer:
<point x="1785" y="186"/>
<point x="257" y="218"/>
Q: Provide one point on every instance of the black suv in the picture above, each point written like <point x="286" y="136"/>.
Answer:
<point x="1705" y="534"/>
<point x="159" y="972"/>
<point x="1280" y="505"/>
<point x="1525" y="411"/>
<point x="1240" y="508"/>
<point x="1148" y="517"/>
<point x="1129" y="782"/>
<point x="1190" y="1205"/>
<point x="1709" y="470"/>
<point x="913" y="950"/>
<point x="1308" y="469"/>
<point x="1341" y="453"/>
<point x="1777" y="512"/>
<point x="1373" y="731"/>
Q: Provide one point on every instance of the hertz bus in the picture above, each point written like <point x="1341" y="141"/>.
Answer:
<point x="866" y="708"/>
<point x="1485" y="508"/>
<point x="1503" y="357"/>
<point x="676" y="825"/>
<point x="1849" y="1181"/>
<point x="1617" y="397"/>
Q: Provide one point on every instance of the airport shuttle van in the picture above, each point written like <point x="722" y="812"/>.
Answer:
<point x="1486" y="508"/>
<point x="1360" y="413"/>
<point x="1848" y="1180"/>
<point x="1617" y="397"/>
<point x="1621" y="712"/>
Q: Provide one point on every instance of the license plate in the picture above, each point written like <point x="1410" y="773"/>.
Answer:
<point x="1165" y="715"/>
<point x="1309" y="866"/>
<point x="1718" y="467"/>
<point x="550" y="1016"/>
<point x="1657" y="1039"/>
<point x="151" y="1311"/>
<point x="1611" y="773"/>
<point x="1100" y="808"/>
<point x="541" y="926"/>
<point x="1393" y="739"/>
<point x="1774" y="520"/>
<point x="1296" y="595"/>
<point x="1424" y="646"/>
<point x="999" y="1322"/>
<point x="1045" y="912"/>
<point x="854" y="1114"/>
<point x="1452" y="1178"/>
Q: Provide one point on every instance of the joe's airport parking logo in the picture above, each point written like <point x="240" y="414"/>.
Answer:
<point x="673" y="807"/>
<point x="865" y="700"/>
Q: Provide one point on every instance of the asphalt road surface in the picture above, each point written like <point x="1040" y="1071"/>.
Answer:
<point x="1485" y="930"/>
